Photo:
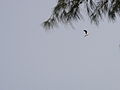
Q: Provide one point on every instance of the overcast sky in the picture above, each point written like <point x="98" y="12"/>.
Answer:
<point x="62" y="59"/>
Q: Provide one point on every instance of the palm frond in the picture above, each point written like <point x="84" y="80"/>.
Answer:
<point x="67" y="11"/>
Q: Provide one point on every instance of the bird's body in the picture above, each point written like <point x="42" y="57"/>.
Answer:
<point x="86" y="33"/>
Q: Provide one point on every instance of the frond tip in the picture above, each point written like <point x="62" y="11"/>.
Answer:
<point x="50" y="23"/>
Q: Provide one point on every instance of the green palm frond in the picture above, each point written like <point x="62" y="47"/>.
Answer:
<point x="67" y="11"/>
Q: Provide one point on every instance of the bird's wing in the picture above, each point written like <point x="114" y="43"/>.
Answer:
<point x="85" y="31"/>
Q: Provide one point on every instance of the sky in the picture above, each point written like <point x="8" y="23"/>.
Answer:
<point x="60" y="59"/>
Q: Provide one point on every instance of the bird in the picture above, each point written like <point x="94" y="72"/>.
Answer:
<point x="86" y="33"/>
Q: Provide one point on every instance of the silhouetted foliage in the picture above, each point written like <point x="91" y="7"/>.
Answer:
<point x="68" y="10"/>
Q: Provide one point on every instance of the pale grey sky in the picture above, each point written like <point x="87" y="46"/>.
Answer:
<point x="62" y="59"/>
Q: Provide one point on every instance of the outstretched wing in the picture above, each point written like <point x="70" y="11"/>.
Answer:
<point x="85" y="31"/>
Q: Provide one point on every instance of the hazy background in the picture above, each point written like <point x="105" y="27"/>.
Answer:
<point x="62" y="59"/>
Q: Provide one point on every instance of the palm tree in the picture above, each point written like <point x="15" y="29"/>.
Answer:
<point x="66" y="11"/>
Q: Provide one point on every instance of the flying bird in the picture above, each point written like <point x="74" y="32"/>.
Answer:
<point x="86" y="33"/>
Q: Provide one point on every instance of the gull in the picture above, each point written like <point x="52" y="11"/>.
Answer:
<point x="86" y="33"/>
